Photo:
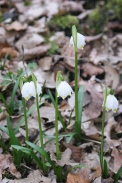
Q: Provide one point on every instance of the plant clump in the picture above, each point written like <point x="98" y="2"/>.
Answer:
<point x="63" y="22"/>
<point x="115" y="7"/>
<point x="97" y="20"/>
<point x="110" y="11"/>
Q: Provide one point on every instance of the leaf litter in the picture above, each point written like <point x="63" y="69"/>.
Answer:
<point x="99" y="64"/>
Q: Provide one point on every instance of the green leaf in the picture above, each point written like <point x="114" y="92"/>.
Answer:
<point x="5" y="103"/>
<point x="118" y="174"/>
<point x="59" y="114"/>
<point x="14" y="141"/>
<point x="80" y="104"/>
<point x="42" y="152"/>
<point x="4" y="129"/>
<point x="30" y="152"/>
<point x="105" y="171"/>
<point x="68" y="137"/>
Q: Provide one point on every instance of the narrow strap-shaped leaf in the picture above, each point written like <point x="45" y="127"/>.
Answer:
<point x="80" y="104"/>
<point x="118" y="174"/>
<point x="105" y="171"/>
<point x="41" y="151"/>
<point x="30" y="152"/>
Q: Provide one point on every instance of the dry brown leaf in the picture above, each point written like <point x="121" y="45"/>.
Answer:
<point x="81" y="177"/>
<point x="108" y="180"/>
<point x="94" y="108"/>
<point x="76" y="152"/>
<point x="48" y="112"/>
<point x="65" y="158"/>
<point x="34" y="177"/>
<point x="5" y="180"/>
<point x="6" y="48"/>
<point x="35" y="11"/>
<point x="90" y="130"/>
<point x="40" y="26"/>
<point x="6" y="163"/>
<point x="36" y="51"/>
<point x="117" y="161"/>
<point x="111" y="76"/>
<point x="90" y="69"/>
<point x="17" y="26"/>
<point x="45" y="63"/>
<point x="47" y="77"/>
<point x="72" y="6"/>
<point x="93" y="38"/>
<point x="98" y="56"/>
<point x="29" y="41"/>
<point x="84" y="14"/>
<point x="97" y="173"/>
<point x="11" y="52"/>
<point x="111" y="125"/>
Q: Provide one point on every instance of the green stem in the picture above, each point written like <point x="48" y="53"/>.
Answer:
<point x="77" y="129"/>
<point x="102" y="140"/>
<point x="40" y="131"/>
<point x="102" y="137"/>
<point x="25" y="116"/>
<point x="56" y="128"/>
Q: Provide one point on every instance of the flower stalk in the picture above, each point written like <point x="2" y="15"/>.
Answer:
<point x="25" y="117"/>
<point x="58" y="154"/>
<point x="78" y="41"/>
<point x="109" y="103"/>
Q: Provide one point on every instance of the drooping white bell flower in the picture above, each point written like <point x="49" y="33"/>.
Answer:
<point x="80" y="41"/>
<point x="28" y="90"/>
<point x="111" y="103"/>
<point x="64" y="89"/>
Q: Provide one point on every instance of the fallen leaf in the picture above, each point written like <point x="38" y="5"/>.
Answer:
<point x="34" y="177"/>
<point x="66" y="158"/>
<point x="35" y="52"/>
<point x="72" y="6"/>
<point x="48" y="112"/>
<point x="6" y="163"/>
<point x="90" y="69"/>
<point x="17" y="26"/>
<point x="111" y="76"/>
<point x="29" y="41"/>
<point x="47" y="77"/>
<point x="93" y="110"/>
<point x="84" y="14"/>
<point x="45" y="63"/>
<point x="108" y="180"/>
<point x="111" y="125"/>
<point x="117" y="161"/>
<point x="5" y="180"/>
<point x="76" y="152"/>
<point x="7" y="49"/>
<point x="81" y="177"/>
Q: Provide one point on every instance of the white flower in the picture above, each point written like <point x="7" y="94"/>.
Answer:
<point x="64" y="89"/>
<point x="111" y="103"/>
<point x="80" y="41"/>
<point x="28" y="90"/>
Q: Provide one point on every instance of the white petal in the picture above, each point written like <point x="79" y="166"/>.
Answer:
<point x="28" y="90"/>
<point x="111" y="103"/>
<point x="33" y="90"/>
<point x="64" y="89"/>
<point x="80" y="41"/>
<point x="25" y="91"/>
